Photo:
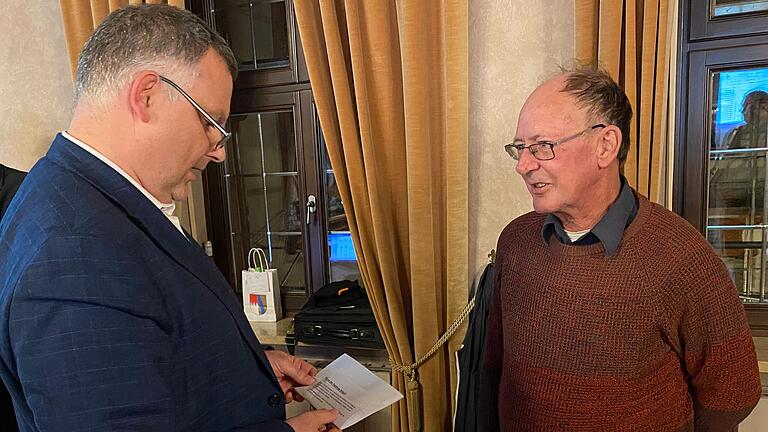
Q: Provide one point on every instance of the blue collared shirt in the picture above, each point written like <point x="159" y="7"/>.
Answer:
<point x="608" y="231"/>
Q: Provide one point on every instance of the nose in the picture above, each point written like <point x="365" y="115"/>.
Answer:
<point x="218" y="155"/>
<point x="526" y="163"/>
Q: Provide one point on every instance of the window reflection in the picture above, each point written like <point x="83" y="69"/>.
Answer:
<point x="733" y="7"/>
<point x="738" y="216"/>
<point x="342" y="261"/>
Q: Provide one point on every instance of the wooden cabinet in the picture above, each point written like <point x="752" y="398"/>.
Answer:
<point x="276" y="190"/>
<point x="263" y="36"/>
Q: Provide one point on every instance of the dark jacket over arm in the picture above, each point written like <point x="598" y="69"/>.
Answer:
<point x="493" y="357"/>
<point x="10" y="179"/>
<point x="469" y="411"/>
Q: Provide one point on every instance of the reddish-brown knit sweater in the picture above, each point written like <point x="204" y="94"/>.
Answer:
<point x="651" y="339"/>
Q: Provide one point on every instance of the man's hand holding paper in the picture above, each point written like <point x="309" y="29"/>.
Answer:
<point x="351" y="389"/>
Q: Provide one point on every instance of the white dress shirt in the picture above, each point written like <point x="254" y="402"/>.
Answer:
<point x="167" y="209"/>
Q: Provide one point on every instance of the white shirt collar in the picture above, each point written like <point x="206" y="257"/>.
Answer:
<point x="167" y="209"/>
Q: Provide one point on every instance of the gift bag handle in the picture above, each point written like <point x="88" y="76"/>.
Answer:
<point x="253" y="254"/>
<point x="261" y="253"/>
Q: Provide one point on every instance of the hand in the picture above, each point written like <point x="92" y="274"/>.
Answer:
<point x="291" y="372"/>
<point x="314" y="421"/>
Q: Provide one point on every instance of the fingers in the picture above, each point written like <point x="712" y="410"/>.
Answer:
<point x="286" y="384"/>
<point x="306" y="371"/>
<point x="284" y="365"/>
<point x="296" y="396"/>
<point x="300" y="371"/>
<point x="292" y="395"/>
<point x="325" y="416"/>
<point x="313" y="421"/>
<point x="312" y="370"/>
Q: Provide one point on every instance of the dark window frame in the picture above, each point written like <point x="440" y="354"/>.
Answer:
<point x="708" y="45"/>
<point x="264" y="90"/>
<point x="294" y="73"/>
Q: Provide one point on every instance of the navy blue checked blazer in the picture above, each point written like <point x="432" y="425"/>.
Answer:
<point x="110" y="319"/>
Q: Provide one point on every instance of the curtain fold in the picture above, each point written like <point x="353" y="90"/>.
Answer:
<point x="80" y="18"/>
<point x="629" y="38"/>
<point x="390" y="83"/>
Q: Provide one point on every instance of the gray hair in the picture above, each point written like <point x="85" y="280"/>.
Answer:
<point x="150" y="36"/>
<point x="596" y="91"/>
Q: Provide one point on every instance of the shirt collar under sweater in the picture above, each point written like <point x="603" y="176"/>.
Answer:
<point x="609" y="230"/>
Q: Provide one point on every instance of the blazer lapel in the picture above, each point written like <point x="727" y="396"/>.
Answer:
<point x="157" y="226"/>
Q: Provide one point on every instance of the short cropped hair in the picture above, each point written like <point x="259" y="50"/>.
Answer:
<point x="596" y="91"/>
<point x="756" y="97"/>
<point x="149" y="36"/>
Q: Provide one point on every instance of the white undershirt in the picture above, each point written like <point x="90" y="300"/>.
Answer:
<point x="167" y="209"/>
<point x="575" y="235"/>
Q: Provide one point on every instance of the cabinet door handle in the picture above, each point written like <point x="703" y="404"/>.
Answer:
<point x="311" y="206"/>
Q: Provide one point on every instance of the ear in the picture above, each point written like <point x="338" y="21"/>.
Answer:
<point x="608" y="146"/>
<point x="142" y="94"/>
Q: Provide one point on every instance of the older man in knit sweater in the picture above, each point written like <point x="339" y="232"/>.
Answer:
<point x="611" y="313"/>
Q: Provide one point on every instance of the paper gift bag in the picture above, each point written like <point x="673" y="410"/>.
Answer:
<point x="261" y="289"/>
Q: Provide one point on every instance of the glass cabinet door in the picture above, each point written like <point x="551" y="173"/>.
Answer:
<point x="737" y="216"/>
<point x="263" y="36"/>
<point x="265" y="194"/>
<point x="257" y="31"/>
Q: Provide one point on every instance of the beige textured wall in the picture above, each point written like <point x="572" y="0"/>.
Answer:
<point x="35" y="81"/>
<point x="512" y="44"/>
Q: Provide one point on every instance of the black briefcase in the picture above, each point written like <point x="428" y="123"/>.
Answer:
<point x="338" y="314"/>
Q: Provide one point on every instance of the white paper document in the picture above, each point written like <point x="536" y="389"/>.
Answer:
<point x="350" y="388"/>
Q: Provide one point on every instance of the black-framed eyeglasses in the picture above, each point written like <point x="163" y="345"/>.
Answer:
<point x="224" y="134"/>
<point x="543" y="150"/>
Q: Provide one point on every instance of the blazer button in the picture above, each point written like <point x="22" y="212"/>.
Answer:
<point x="274" y="400"/>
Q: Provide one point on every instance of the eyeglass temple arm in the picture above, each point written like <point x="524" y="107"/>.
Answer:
<point x="197" y="107"/>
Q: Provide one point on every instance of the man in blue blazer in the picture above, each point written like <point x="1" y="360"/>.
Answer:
<point x="110" y="317"/>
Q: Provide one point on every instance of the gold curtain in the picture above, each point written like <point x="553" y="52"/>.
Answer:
<point x="81" y="17"/>
<point x="390" y="83"/>
<point x="629" y="38"/>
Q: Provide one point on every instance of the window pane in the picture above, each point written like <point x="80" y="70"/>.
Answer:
<point x="277" y="134"/>
<point x="264" y="194"/>
<point x="342" y="261"/>
<point x="742" y="252"/>
<point x="732" y="7"/>
<point x="271" y="34"/>
<point x="256" y="29"/>
<point x="285" y="253"/>
<point x="337" y="220"/>
<point x="255" y="207"/>
<point x="342" y="258"/>
<point x="246" y="136"/>
<point x="266" y="142"/>
<point x="233" y="22"/>
<point x="736" y="220"/>
<point x="284" y="204"/>
<point x="279" y="234"/>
